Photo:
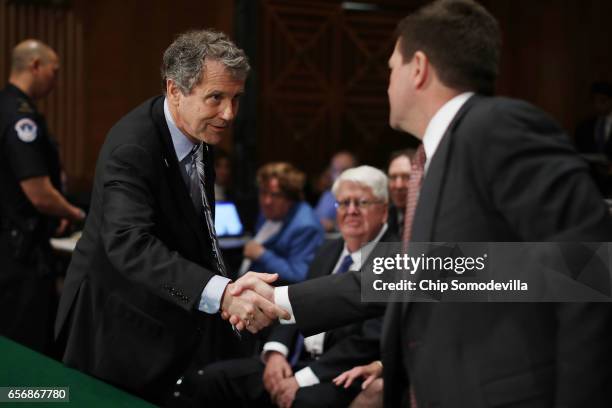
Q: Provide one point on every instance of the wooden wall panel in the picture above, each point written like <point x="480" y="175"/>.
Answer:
<point x="323" y="82"/>
<point x="552" y="52"/>
<point x="110" y="53"/>
<point x="324" y="70"/>
<point x="62" y="29"/>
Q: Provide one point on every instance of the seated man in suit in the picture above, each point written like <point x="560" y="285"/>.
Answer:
<point x="288" y="231"/>
<point x="399" y="176"/>
<point x="298" y="371"/>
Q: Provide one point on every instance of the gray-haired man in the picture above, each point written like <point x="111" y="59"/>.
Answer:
<point x="147" y="277"/>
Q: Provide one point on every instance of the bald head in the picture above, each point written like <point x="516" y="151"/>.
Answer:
<point x="27" y="51"/>
<point x="34" y="67"/>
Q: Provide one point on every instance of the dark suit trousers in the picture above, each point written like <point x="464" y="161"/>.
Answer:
<point x="239" y="383"/>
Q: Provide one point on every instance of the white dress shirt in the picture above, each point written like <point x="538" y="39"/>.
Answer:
<point x="436" y="128"/>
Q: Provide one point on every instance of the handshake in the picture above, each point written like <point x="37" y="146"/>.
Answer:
<point x="249" y="304"/>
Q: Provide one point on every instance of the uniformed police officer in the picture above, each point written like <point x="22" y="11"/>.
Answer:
<point x="31" y="205"/>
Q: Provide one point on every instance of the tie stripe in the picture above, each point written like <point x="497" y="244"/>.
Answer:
<point x="414" y="187"/>
<point x="198" y="164"/>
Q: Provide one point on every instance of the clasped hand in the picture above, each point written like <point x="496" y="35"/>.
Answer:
<point x="248" y="303"/>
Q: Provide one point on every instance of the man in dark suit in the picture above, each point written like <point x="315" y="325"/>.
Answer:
<point x="296" y="371"/>
<point x="146" y="278"/>
<point x="496" y="169"/>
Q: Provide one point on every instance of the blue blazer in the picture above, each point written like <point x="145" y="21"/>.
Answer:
<point x="292" y="249"/>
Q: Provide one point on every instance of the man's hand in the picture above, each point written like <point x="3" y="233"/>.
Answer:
<point x="251" y="304"/>
<point x="368" y="372"/>
<point x="253" y="250"/>
<point x="277" y="369"/>
<point x="285" y="394"/>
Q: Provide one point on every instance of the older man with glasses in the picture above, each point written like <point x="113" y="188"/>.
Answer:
<point x="298" y="371"/>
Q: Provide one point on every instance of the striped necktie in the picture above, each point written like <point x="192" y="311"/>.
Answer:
<point x="346" y="264"/>
<point x="198" y="179"/>
<point x="414" y="187"/>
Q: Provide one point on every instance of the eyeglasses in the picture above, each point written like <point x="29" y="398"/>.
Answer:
<point x="362" y="204"/>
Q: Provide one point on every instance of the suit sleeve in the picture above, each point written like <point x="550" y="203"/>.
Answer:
<point x="357" y="349"/>
<point x="128" y="231"/>
<point x="329" y="302"/>
<point x="294" y="267"/>
<point x="285" y="334"/>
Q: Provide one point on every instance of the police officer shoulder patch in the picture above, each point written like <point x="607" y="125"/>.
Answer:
<point x="26" y="130"/>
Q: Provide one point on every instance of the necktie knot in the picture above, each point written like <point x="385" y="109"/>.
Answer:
<point x="419" y="159"/>
<point x="346" y="263"/>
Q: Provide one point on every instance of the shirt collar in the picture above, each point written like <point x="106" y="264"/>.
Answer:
<point x="182" y="145"/>
<point x="439" y="123"/>
<point x="364" y="251"/>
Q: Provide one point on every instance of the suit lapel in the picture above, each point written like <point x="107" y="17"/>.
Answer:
<point x="330" y="258"/>
<point x="286" y="221"/>
<point x="177" y="184"/>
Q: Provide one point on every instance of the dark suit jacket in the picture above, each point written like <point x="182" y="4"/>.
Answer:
<point x="504" y="171"/>
<point x="394" y="222"/>
<point x="343" y="347"/>
<point x="128" y="310"/>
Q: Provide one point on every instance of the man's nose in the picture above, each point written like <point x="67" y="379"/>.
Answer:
<point x="229" y="110"/>
<point x="353" y="207"/>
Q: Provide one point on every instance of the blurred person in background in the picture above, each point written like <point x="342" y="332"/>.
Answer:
<point x="325" y="209"/>
<point x="288" y="232"/>
<point x="399" y="178"/>
<point x="33" y="208"/>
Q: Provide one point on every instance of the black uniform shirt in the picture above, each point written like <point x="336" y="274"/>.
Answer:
<point x="26" y="151"/>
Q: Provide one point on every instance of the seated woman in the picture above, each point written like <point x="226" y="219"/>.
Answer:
<point x="288" y="231"/>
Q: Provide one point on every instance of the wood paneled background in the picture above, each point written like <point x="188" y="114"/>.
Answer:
<point x="321" y="68"/>
<point x="62" y="29"/>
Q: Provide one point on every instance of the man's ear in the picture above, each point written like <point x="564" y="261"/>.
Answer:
<point x="172" y="92"/>
<point x="422" y="69"/>
<point x="35" y="64"/>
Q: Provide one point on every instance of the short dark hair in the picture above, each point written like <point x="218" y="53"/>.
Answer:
<point x="409" y="153"/>
<point x="461" y="40"/>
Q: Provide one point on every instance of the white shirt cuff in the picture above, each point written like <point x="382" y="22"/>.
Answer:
<point x="306" y="377"/>
<point x="273" y="346"/>
<point x="210" y="302"/>
<point x="281" y="298"/>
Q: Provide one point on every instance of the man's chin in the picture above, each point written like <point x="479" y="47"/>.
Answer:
<point x="211" y="138"/>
